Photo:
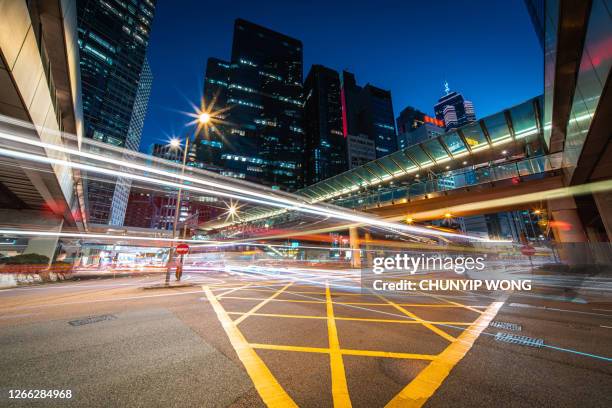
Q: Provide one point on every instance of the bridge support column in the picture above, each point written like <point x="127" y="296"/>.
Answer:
<point x="567" y="226"/>
<point x="604" y="206"/>
<point x="355" y="247"/>
<point x="48" y="222"/>
<point x="568" y="231"/>
<point x="368" y="254"/>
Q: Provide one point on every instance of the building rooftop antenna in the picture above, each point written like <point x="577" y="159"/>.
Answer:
<point x="446" y="88"/>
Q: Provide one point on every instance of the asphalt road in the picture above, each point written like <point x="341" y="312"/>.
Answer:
<point x="249" y="340"/>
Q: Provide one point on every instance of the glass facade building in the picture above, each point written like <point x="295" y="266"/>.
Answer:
<point x="414" y="126"/>
<point x="113" y="37"/>
<point x="259" y="134"/>
<point x="369" y="110"/>
<point x="325" y="152"/>
<point x="454" y="110"/>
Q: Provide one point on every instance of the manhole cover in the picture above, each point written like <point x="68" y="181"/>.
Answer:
<point x="92" y="319"/>
<point x="506" y="326"/>
<point x="520" y="340"/>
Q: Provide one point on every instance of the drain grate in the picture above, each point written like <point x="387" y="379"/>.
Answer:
<point x="506" y="325"/>
<point x="520" y="340"/>
<point x="92" y="319"/>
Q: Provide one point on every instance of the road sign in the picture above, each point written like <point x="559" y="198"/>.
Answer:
<point x="182" y="249"/>
<point x="528" y="250"/>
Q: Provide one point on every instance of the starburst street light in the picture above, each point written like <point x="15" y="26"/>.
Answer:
<point x="175" y="143"/>
<point x="204" y="118"/>
<point x="232" y="210"/>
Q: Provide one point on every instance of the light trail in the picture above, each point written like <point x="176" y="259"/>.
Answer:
<point x="87" y="235"/>
<point x="589" y="188"/>
<point x="282" y="203"/>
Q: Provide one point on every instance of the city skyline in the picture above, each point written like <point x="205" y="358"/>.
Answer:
<point x="419" y="84"/>
<point x="279" y="249"/>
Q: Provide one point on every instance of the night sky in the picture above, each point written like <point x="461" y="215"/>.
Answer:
<point x="485" y="49"/>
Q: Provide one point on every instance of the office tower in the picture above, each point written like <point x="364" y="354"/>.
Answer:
<point x="259" y="134"/>
<point x="325" y="145"/>
<point x="454" y="110"/>
<point x="408" y="119"/>
<point x="122" y="188"/>
<point x="415" y="126"/>
<point x="369" y="110"/>
<point x="422" y="133"/>
<point x="116" y="82"/>
<point x="166" y="151"/>
<point x="360" y="150"/>
<point x="142" y="209"/>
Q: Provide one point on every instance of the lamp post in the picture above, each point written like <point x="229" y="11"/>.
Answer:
<point x="203" y="118"/>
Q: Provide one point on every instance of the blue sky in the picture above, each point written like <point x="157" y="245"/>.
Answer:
<point x="486" y="50"/>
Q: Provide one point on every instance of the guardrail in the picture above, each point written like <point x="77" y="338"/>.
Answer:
<point x="456" y="180"/>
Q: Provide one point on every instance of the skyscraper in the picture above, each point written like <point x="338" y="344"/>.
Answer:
<point x="454" y="110"/>
<point x="325" y="153"/>
<point x="259" y="136"/>
<point x="141" y="103"/>
<point x="369" y="110"/>
<point x="414" y="126"/>
<point x="113" y="38"/>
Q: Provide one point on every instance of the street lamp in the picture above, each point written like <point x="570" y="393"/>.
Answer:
<point x="204" y="118"/>
<point x="176" y="144"/>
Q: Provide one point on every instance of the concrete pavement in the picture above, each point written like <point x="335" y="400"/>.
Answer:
<point x="312" y="342"/>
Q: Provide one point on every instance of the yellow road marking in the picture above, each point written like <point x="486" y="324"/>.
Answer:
<point x="345" y="303"/>
<point x="290" y="348"/>
<point x="389" y="354"/>
<point x="358" y="319"/>
<point x="431" y="327"/>
<point x="400" y="304"/>
<point x="261" y="304"/>
<point x="271" y="392"/>
<point x="233" y="290"/>
<point x="456" y="303"/>
<point x="422" y="387"/>
<point x="281" y="315"/>
<point x="346" y="352"/>
<point x="274" y="300"/>
<point x="307" y="292"/>
<point x="340" y="392"/>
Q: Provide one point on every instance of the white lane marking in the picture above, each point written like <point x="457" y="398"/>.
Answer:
<point x="606" y="327"/>
<point x="524" y="305"/>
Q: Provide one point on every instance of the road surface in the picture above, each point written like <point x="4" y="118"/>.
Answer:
<point x="244" y="339"/>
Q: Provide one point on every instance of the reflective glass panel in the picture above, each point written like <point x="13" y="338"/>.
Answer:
<point x="473" y="136"/>
<point x="403" y="160"/>
<point x="436" y="150"/>
<point x="497" y="127"/>
<point x="454" y="143"/>
<point x="419" y="155"/>
<point x="523" y="120"/>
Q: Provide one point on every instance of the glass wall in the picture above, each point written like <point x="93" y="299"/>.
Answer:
<point x="592" y="75"/>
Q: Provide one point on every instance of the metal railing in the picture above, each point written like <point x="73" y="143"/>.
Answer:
<point x="455" y="180"/>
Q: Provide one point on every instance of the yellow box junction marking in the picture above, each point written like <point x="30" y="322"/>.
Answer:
<point x="422" y="387"/>
<point x="455" y="303"/>
<point x="415" y="394"/>
<point x="261" y="304"/>
<point x="431" y="327"/>
<point x="340" y="392"/>
<point x="357" y="319"/>
<point x="271" y="392"/>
